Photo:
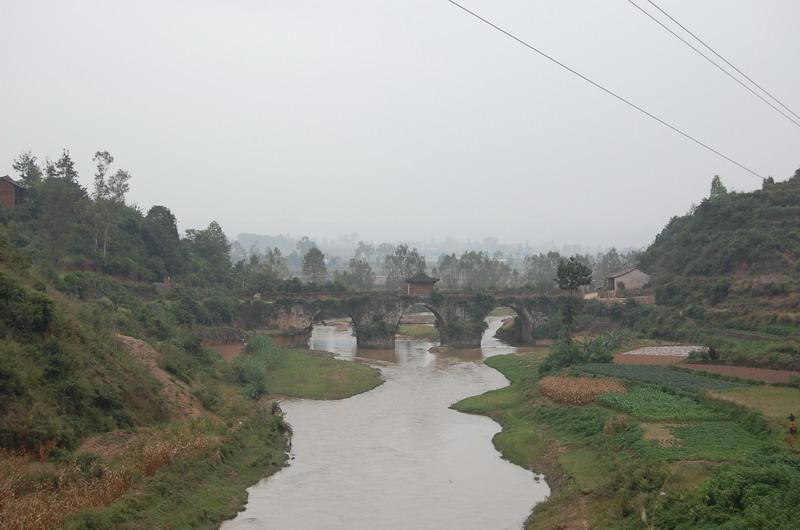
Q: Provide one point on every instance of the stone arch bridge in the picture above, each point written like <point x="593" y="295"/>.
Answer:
<point x="375" y="315"/>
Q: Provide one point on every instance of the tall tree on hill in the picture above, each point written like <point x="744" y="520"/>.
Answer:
<point x="161" y="239"/>
<point x="314" y="265"/>
<point x="718" y="189"/>
<point x="28" y="169"/>
<point x="213" y="249"/>
<point x="109" y="197"/>
<point x="63" y="168"/>
<point x="62" y="204"/>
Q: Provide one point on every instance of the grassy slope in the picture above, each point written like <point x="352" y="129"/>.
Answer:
<point x="601" y="469"/>
<point x="202" y="492"/>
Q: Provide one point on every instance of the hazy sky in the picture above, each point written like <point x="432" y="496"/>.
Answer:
<point x="401" y="119"/>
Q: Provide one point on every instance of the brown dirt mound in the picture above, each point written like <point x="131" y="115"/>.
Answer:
<point x="746" y="372"/>
<point x="577" y="390"/>
<point x="176" y="393"/>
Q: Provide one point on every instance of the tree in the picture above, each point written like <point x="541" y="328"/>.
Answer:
<point x="304" y="245"/>
<point x="718" y="189"/>
<point x="109" y="195"/>
<point x="572" y="274"/>
<point x="314" y="265"/>
<point x="28" y="169"/>
<point x="161" y="239"/>
<point x="540" y="269"/>
<point x="214" y="251"/>
<point x="358" y="276"/>
<point x="403" y="264"/>
<point x="364" y="251"/>
<point x="275" y="263"/>
<point x="63" y="168"/>
<point x="62" y="204"/>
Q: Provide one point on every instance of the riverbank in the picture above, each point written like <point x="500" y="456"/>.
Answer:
<point x="193" y="469"/>
<point x="641" y="458"/>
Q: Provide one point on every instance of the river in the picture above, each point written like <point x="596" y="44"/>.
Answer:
<point x="396" y="457"/>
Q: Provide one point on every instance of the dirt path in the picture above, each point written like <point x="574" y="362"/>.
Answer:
<point x="177" y="394"/>
<point x="745" y="372"/>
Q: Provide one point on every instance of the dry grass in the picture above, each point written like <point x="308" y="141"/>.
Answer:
<point x="577" y="390"/>
<point x="37" y="497"/>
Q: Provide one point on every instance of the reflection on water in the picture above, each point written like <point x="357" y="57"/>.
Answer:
<point x="396" y="457"/>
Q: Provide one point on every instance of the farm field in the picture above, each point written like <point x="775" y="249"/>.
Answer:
<point x="745" y="372"/>
<point x="577" y="390"/>
<point x="658" y="360"/>
<point x="772" y="401"/>
<point x="651" y="404"/>
<point x="710" y="441"/>
<point x="660" y="375"/>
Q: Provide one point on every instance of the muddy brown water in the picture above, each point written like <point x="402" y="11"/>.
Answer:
<point x="396" y="457"/>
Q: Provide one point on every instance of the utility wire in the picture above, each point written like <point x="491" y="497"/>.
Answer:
<point x="710" y="60"/>
<point x="604" y="89"/>
<point x="701" y="41"/>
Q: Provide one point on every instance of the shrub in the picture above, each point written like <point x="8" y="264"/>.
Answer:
<point x="599" y="349"/>
<point x="250" y="368"/>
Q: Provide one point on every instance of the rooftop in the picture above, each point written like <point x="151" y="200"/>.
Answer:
<point x="421" y="277"/>
<point x="622" y="272"/>
<point x="12" y="181"/>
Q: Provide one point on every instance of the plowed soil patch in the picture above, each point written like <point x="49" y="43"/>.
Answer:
<point x="660" y="360"/>
<point x="745" y="372"/>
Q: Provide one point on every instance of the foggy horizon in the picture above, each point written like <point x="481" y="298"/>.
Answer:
<point x="400" y="121"/>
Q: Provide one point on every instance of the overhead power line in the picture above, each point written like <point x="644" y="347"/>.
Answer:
<point x="701" y="41"/>
<point x="710" y="60"/>
<point x="604" y="89"/>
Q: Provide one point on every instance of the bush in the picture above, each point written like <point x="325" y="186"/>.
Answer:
<point x="762" y="492"/>
<point x="250" y="368"/>
<point x="599" y="349"/>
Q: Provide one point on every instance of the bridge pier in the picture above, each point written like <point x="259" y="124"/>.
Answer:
<point x="375" y="322"/>
<point x="288" y="321"/>
<point x="460" y="320"/>
<point x="529" y="314"/>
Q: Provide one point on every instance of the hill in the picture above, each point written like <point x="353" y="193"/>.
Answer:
<point x="734" y="261"/>
<point x="743" y="234"/>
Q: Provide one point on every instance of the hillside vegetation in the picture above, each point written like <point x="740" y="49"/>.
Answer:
<point x="742" y="234"/>
<point x="735" y="260"/>
<point x="114" y="412"/>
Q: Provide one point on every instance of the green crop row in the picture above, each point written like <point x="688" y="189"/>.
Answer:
<point x="660" y="375"/>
